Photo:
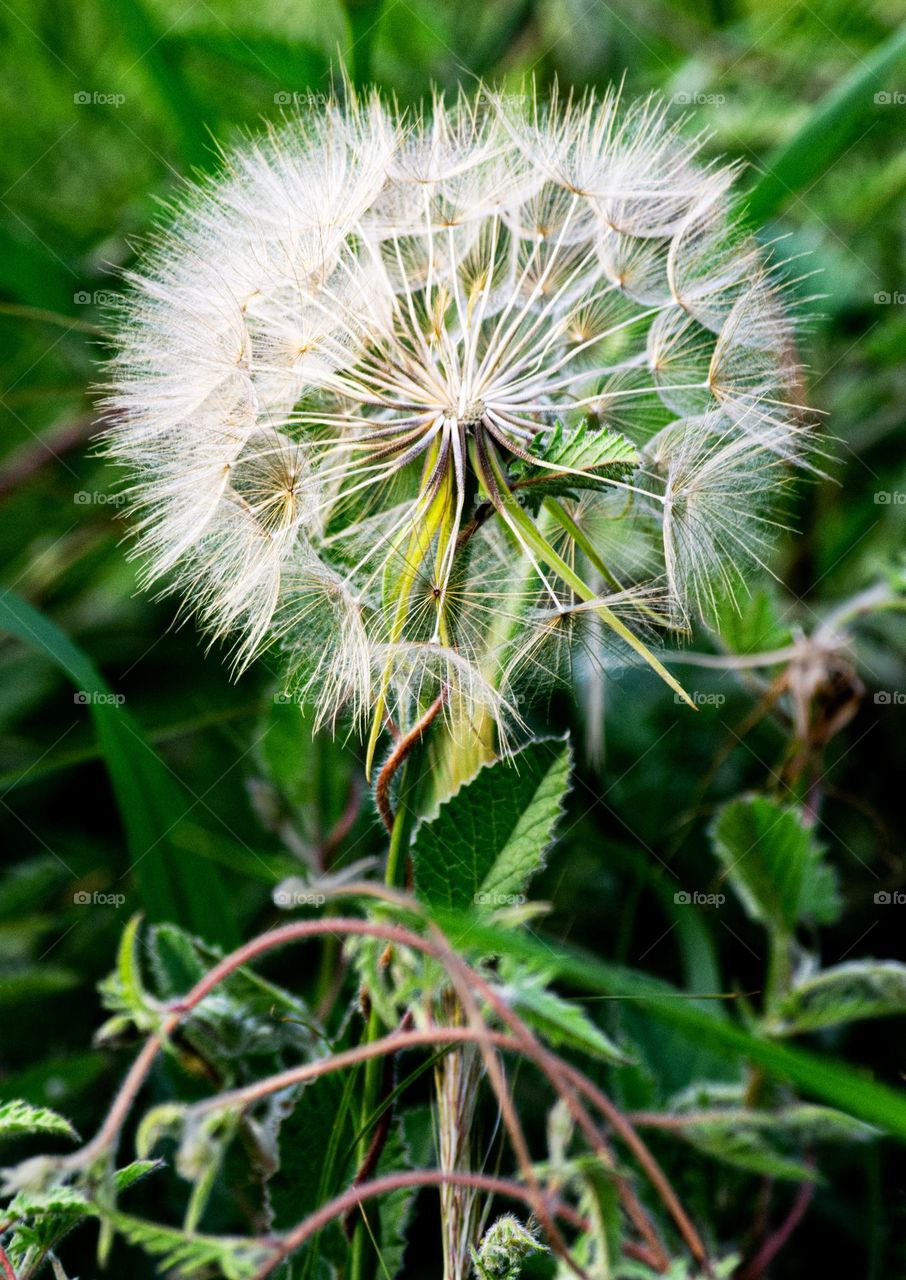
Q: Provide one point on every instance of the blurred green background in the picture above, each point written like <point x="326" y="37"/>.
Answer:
<point x="105" y="106"/>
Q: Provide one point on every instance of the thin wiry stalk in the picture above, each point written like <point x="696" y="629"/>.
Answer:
<point x="106" y="1140"/>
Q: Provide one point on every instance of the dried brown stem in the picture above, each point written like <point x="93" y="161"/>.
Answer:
<point x="461" y="981"/>
<point x="397" y="757"/>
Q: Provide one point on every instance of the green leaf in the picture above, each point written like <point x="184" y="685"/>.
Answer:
<point x="752" y="624"/>
<point x="838" y="119"/>
<point x="774" y="863"/>
<point x="149" y="797"/>
<point x="560" y="1022"/>
<point x="395" y="1209"/>
<point x="490" y="837"/>
<point x="127" y="1177"/>
<point x="317" y="1124"/>
<point x="231" y="1257"/>
<point x="846" y="993"/>
<point x="17" y="1118"/>
<point x="587" y="449"/>
<point x="761" y="1141"/>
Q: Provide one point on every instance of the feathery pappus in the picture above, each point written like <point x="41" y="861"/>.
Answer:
<point x="416" y="399"/>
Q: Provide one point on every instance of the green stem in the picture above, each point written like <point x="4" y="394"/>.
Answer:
<point x="412" y="775"/>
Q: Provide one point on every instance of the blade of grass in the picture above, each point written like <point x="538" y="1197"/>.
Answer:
<point x="835" y="1082"/>
<point x="171" y="884"/>
<point x="836" y="120"/>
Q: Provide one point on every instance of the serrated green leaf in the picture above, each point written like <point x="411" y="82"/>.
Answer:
<point x="560" y="1022"/>
<point x="845" y="993"/>
<point x="566" y="461"/>
<point x="490" y="837"/>
<point x="767" y="1142"/>
<point x="27" y="1204"/>
<point x="774" y="863"/>
<point x="18" y="1118"/>
<point x="231" y="1257"/>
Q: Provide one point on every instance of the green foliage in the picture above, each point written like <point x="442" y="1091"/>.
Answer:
<point x="588" y="451"/>
<point x="18" y="1117"/>
<point x="844" y="993"/>
<point x="829" y="130"/>
<point x="504" y="1248"/>
<point x="209" y="784"/>
<point x="487" y="841"/>
<point x="773" y="861"/>
<point x="149" y="797"/>
<point x="559" y="1021"/>
<point x="767" y="1141"/>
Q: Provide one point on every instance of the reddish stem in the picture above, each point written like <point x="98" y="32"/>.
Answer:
<point x="398" y="755"/>
<point x="757" y="1266"/>
<point x="7" y="1266"/>
<point x="356" y="1196"/>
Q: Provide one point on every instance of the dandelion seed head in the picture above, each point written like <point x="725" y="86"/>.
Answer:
<point x="341" y="353"/>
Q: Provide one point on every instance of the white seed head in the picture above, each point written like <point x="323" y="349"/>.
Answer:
<point x="372" y="375"/>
